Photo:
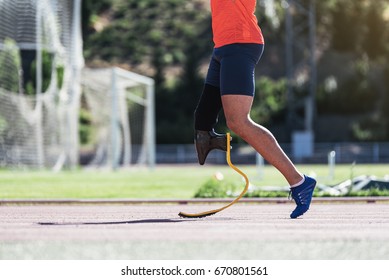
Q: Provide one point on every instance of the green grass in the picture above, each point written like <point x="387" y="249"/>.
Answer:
<point x="174" y="181"/>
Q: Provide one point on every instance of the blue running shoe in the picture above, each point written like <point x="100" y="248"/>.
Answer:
<point x="302" y="195"/>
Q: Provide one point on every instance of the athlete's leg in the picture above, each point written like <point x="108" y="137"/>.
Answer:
<point x="236" y="110"/>
<point x="237" y="88"/>
<point x="206" y="115"/>
<point x="208" y="108"/>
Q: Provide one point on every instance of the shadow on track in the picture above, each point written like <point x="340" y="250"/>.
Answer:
<point x="145" y="221"/>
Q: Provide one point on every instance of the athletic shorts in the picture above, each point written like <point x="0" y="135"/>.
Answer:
<point x="232" y="68"/>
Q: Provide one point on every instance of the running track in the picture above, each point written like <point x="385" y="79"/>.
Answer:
<point x="154" y="231"/>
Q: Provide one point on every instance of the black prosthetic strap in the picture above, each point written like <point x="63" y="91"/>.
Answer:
<point x="208" y="108"/>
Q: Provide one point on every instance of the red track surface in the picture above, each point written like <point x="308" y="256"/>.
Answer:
<point x="154" y="231"/>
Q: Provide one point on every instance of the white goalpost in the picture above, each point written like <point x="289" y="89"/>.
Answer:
<point x="43" y="87"/>
<point x="121" y="104"/>
<point x="40" y="63"/>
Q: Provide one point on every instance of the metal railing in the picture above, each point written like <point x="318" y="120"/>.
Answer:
<point x="347" y="152"/>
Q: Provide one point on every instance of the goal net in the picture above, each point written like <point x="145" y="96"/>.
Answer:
<point x="40" y="66"/>
<point x="120" y="105"/>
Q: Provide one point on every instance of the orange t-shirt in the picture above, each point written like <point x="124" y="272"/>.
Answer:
<point x="234" y="21"/>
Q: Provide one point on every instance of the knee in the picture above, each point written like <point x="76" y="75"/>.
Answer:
<point x="237" y="124"/>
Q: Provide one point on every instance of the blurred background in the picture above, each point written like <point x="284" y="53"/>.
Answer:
<point x="115" y="82"/>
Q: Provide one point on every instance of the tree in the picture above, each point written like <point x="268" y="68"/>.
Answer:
<point x="376" y="39"/>
<point x="10" y="66"/>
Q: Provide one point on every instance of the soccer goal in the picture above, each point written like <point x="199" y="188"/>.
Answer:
<point x="40" y="66"/>
<point x="121" y="108"/>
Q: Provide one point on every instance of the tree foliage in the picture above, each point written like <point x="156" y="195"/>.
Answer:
<point x="10" y="65"/>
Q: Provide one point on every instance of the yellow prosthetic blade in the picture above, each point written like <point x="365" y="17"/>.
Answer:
<point x="212" y="212"/>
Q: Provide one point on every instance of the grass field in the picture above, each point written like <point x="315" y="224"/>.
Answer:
<point x="173" y="181"/>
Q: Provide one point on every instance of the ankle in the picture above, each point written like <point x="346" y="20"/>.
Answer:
<point x="298" y="183"/>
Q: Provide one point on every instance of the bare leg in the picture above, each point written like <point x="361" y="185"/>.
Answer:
<point x="237" y="109"/>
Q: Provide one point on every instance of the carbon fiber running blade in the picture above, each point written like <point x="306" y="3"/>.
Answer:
<point x="212" y="212"/>
<point x="198" y="216"/>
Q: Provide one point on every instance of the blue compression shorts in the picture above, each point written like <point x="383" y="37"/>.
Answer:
<point x="232" y="68"/>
